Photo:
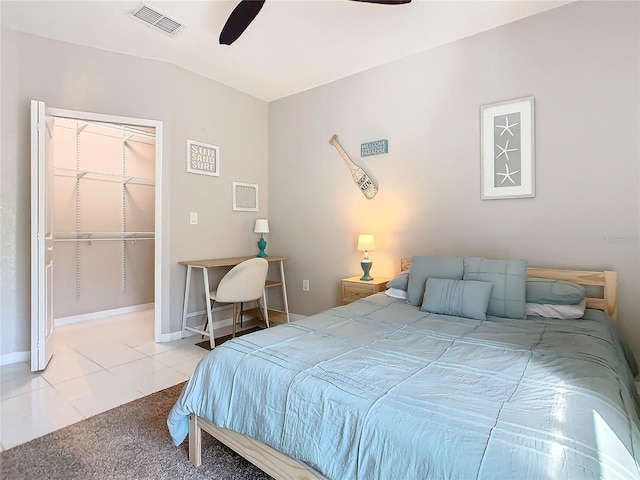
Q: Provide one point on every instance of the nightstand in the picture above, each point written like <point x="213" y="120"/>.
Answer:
<point x="354" y="289"/>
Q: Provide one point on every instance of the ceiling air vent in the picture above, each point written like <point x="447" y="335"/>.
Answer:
<point x="156" y="19"/>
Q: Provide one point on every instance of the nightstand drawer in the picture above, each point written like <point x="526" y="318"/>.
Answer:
<point x="354" y="289"/>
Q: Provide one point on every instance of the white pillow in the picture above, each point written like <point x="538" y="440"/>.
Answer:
<point x="556" y="311"/>
<point x="396" y="293"/>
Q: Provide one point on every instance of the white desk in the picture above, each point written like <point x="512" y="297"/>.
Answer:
<point x="205" y="265"/>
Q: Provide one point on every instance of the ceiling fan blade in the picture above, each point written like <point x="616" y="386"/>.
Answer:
<point x="385" y="2"/>
<point x="239" y="20"/>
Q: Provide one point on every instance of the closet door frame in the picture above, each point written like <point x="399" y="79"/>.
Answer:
<point x="161" y="277"/>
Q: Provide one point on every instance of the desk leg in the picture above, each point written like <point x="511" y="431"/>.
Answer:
<point x="284" y="290"/>
<point x="207" y="296"/>
<point x="265" y="310"/>
<point x="185" y="307"/>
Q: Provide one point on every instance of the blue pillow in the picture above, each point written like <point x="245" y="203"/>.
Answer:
<point x="400" y="281"/>
<point x="554" y="292"/>
<point x="426" y="267"/>
<point x="509" y="277"/>
<point x="458" y="298"/>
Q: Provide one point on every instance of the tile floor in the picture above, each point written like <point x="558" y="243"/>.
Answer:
<point x="96" y="366"/>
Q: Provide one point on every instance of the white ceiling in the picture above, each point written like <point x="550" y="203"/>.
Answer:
<point x="291" y="46"/>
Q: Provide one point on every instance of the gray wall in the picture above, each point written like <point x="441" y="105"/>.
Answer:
<point x="580" y="62"/>
<point x="191" y="107"/>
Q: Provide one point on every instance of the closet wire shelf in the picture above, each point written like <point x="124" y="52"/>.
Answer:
<point x="114" y="177"/>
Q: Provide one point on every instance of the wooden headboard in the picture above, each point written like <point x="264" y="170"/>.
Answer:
<point x="607" y="279"/>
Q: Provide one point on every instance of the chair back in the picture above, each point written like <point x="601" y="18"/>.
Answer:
<point x="244" y="282"/>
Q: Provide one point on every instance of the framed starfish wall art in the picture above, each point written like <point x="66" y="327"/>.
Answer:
<point x="507" y="166"/>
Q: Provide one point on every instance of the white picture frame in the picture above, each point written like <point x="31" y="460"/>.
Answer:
<point x="203" y="158"/>
<point x="245" y="197"/>
<point x="507" y="137"/>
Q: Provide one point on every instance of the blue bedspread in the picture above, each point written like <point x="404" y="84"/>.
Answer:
<point x="379" y="390"/>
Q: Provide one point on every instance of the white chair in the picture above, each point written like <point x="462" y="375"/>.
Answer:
<point x="243" y="283"/>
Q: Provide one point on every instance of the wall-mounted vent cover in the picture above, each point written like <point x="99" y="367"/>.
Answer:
<point x="156" y="19"/>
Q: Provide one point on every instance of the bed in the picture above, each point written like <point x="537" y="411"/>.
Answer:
<point x="381" y="389"/>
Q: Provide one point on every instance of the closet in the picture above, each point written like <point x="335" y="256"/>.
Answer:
<point x="103" y="221"/>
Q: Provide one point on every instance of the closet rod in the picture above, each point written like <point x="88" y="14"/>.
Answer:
<point x="103" y="235"/>
<point x="122" y="239"/>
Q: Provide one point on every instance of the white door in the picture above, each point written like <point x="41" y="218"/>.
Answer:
<point x="41" y="236"/>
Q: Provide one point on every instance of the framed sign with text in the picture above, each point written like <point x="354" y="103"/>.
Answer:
<point x="374" y="148"/>
<point x="203" y="159"/>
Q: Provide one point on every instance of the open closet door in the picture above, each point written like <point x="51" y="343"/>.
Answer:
<point x="41" y="236"/>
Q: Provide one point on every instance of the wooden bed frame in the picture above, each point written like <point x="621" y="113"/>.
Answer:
<point x="283" y="467"/>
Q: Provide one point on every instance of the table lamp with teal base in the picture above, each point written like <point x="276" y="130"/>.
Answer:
<point x="261" y="227"/>
<point x="366" y="242"/>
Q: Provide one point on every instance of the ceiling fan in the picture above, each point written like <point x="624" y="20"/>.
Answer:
<point x="246" y="11"/>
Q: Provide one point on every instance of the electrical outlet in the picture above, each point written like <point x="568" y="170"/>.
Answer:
<point x="305" y="285"/>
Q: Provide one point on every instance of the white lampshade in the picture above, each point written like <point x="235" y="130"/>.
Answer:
<point x="366" y="242"/>
<point x="262" y="226"/>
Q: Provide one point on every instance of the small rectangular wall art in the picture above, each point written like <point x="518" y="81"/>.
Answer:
<point x="245" y="197"/>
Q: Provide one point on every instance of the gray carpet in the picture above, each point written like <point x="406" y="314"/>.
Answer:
<point x="127" y="442"/>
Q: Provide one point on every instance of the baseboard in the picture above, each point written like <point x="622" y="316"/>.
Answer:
<point x="86" y="317"/>
<point x="15" y="357"/>
<point x="173" y="336"/>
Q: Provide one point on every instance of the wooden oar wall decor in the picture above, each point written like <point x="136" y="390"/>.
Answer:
<point x="361" y="179"/>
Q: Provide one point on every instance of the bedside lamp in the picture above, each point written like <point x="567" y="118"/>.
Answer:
<point x="366" y="243"/>
<point x="261" y="227"/>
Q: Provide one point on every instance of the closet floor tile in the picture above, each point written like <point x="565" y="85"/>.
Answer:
<point x="97" y="392"/>
<point x="159" y="380"/>
<point x="179" y="355"/>
<point x="31" y="415"/>
<point x="66" y="366"/>
<point x="132" y="370"/>
<point x="188" y="366"/>
<point x="108" y="358"/>
<point x="17" y="379"/>
<point x="150" y="348"/>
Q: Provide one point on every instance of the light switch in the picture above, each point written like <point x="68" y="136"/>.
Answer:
<point x="193" y="218"/>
